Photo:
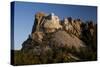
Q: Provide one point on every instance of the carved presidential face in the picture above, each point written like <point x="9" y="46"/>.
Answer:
<point x="66" y="21"/>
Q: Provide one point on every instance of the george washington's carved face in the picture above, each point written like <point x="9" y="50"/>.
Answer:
<point x="66" y="21"/>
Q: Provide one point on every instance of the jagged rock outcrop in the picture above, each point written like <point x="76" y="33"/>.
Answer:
<point x="53" y="40"/>
<point x="72" y="26"/>
<point x="39" y="18"/>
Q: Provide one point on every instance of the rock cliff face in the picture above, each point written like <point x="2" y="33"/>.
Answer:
<point x="53" y="40"/>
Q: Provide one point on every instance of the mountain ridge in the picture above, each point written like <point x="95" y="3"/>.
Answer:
<point x="54" y="41"/>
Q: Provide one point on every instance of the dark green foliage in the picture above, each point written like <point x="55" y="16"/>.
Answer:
<point x="53" y="55"/>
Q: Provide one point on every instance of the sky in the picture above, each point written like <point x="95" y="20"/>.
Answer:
<point x="25" y="12"/>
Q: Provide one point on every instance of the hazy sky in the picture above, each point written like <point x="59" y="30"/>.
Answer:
<point x="25" y="11"/>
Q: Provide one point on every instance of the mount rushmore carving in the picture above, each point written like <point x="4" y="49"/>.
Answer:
<point x="53" y="40"/>
<point x="49" y="23"/>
